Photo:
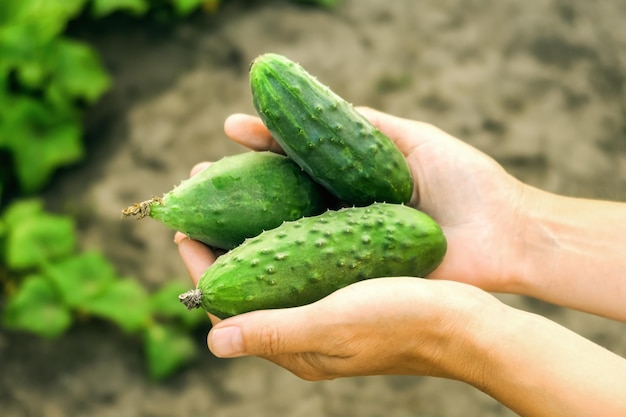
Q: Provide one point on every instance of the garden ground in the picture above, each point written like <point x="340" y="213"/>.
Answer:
<point x="538" y="85"/>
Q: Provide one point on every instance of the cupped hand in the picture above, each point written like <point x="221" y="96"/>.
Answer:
<point x="374" y="327"/>
<point x="409" y="326"/>
<point x="470" y="195"/>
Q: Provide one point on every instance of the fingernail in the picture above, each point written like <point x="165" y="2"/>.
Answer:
<point x="179" y="237"/>
<point x="226" y="342"/>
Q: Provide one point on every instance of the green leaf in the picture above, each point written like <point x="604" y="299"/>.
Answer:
<point x="165" y="304"/>
<point x="45" y="18"/>
<point x="10" y="11"/>
<point x="28" y="56"/>
<point x="77" y="71"/>
<point x="38" y="157"/>
<point x="185" y="7"/>
<point x="167" y="350"/>
<point x="24" y="52"/>
<point x="36" y="239"/>
<point x="37" y="308"/>
<point x="22" y="210"/>
<point x="102" y="8"/>
<point x="82" y="278"/>
<point x="124" y="302"/>
<point x="41" y="138"/>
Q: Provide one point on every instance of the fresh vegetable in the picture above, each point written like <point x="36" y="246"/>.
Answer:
<point x="327" y="136"/>
<point x="302" y="261"/>
<point x="235" y="198"/>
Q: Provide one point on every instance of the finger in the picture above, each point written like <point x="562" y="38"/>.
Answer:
<point x="250" y="131"/>
<point x="196" y="256"/>
<point x="266" y="333"/>
<point x="198" y="167"/>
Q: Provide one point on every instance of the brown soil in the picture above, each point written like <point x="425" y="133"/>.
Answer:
<point x="538" y="85"/>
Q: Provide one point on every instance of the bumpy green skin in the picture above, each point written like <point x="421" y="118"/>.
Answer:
<point x="240" y="196"/>
<point x="304" y="260"/>
<point x="326" y="136"/>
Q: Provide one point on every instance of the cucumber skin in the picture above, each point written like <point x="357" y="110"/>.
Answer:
<point x="303" y="261"/>
<point x="238" y="197"/>
<point x="326" y="136"/>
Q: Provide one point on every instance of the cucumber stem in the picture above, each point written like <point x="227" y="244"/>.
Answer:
<point x="191" y="299"/>
<point x="142" y="209"/>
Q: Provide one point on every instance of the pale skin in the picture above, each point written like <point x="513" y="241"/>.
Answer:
<point x="503" y="236"/>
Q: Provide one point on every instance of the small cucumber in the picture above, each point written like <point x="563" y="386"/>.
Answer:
<point x="235" y="198"/>
<point x="302" y="261"/>
<point x="326" y="136"/>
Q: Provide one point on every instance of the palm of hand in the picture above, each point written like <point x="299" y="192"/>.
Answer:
<point x="471" y="197"/>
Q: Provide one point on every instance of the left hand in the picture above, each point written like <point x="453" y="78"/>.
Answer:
<point x="379" y="326"/>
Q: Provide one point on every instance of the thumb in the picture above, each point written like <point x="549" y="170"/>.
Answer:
<point x="265" y="333"/>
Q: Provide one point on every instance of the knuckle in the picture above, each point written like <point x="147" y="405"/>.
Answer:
<point x="271" y="341"/>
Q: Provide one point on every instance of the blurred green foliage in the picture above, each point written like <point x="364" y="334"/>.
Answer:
<point x="47" y="81"/>
<point x="49" y="283"/>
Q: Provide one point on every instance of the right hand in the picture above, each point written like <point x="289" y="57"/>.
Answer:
<point x="470" y="195"/>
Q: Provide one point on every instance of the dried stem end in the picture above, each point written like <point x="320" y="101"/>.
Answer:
<point x="191" y="299"/>
<point x="141" y="209"/>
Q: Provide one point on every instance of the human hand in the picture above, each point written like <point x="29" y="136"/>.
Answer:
<point x="352" y="331"/>
<point x="374" y="327"/>
<point x="503" y="235"/>
<point x="471" y="196"/>
<point x="427" y="327"/>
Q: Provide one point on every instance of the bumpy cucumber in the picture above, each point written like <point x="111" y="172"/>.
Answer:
<point x="326" y="136"/>
<point x="304" y="260"/>
<point x="237" y="197"/>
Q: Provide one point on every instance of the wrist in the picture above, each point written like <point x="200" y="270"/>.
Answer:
<point x="538" y="368"/>
<point x="570" y="251"/>
<point x="465" y="331"/>
<point x="508" y="365"/>
<point x="485" y="339"/>
<point x="534" y="249"/>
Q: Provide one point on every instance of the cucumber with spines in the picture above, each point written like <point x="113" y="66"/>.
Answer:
<point x="305" y="260"/>
<point x="326" y="135"/>
<point x="237" y="197"/>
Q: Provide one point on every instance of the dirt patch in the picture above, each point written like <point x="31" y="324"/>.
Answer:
<point x="538" y="86"/>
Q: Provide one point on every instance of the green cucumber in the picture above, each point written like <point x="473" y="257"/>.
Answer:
<point x="302" y="261"/>
<point x="326" y="136"/>
<point x="235" y="198"/>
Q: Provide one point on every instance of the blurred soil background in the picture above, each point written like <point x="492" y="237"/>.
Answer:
<point x="538" y="85"/>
